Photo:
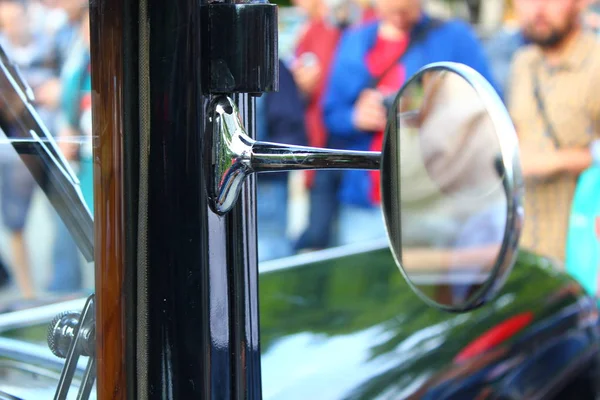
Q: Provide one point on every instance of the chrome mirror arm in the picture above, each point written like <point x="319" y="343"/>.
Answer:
<point x="275" y="157"/>
<point x="234" y="155"/>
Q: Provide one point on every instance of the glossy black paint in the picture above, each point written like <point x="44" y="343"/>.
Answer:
<point x="349" y="327"/>
<point x="240" y="48"/>
<point x="344" y="324"/>
<point x="195" y="294"/>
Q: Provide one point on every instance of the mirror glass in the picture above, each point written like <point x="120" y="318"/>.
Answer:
<point x="443" y="187"/>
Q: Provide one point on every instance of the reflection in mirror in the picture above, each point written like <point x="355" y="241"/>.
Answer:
<point x="443" y="191"/>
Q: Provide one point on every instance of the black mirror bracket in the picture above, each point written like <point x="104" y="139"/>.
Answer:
<point x="244" y="57"/>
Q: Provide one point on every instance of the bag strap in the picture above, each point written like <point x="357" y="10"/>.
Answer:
<point x="419" y="34"/>
<point x="541" y="107"/>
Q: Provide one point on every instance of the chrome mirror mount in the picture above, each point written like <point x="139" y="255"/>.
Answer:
<point x="229" y="150"/>
<point x="449" y="171"/>
<point x="234" y="155"/>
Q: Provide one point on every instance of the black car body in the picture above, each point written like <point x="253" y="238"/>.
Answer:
<point x="343" y="324"/>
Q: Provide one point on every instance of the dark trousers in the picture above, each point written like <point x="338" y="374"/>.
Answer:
<point x="324" y="209"/>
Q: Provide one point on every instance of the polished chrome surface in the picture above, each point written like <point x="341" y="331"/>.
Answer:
<point x="234" y="155"/>
<point x="61" y="332"/>
<point x="507" y="167"/>
<point x="76" y="333"/>
<point x="273" y="157"/>
<point x="228" y="152"/>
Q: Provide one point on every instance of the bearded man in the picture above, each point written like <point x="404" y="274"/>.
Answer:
<point x="555" y="104"/>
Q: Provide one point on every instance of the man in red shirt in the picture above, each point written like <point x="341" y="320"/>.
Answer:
<point x="371" y="64"/>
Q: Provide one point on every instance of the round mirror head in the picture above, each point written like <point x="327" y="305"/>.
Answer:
<point x="451" y="186"/>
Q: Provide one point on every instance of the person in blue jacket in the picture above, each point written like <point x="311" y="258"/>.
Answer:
<point x="371" y="64"/>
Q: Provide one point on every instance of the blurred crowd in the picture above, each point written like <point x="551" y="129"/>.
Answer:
<point x="49" y="41"/>
<point x="349" y="61"/>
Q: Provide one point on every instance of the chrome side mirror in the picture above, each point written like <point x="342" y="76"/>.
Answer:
<point x="451" y="186"/>
<point x="450" y="180"/>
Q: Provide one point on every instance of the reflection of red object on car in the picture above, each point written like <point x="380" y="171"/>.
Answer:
<point x="494" y="336"/>
<point x="597" y="225"/>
